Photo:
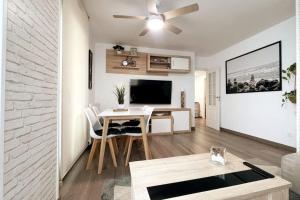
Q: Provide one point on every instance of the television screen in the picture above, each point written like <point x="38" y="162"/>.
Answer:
<point x="150" y="92"/>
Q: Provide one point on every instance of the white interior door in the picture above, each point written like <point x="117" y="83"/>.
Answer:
<point x="213" y="99"/>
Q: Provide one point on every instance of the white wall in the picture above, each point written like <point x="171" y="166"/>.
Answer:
<point x="105" y="82"/>
<point x="203" y="63"/>
<point x="75" y="94"/>
<point x="200" y="82"/>
<point x="261" y="114"/>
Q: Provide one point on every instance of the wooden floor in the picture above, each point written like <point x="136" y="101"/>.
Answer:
<point x="87" y="184"/>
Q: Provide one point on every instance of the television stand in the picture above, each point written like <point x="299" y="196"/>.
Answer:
<point x="171" y="120"/>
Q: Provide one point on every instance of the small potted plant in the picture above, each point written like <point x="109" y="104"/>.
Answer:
<point x="118" y="49"/>
<point x="290" y="75"/>
<point x="120" y="92"/>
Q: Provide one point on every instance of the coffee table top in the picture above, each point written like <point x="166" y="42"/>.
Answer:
<point x="181" y="168"/>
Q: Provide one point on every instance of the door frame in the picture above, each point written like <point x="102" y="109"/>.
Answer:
<point x="218" y="93"/>
<point x="59" y="102"/>
<point x="298" y="73"/>
<point x="3" y="16"/>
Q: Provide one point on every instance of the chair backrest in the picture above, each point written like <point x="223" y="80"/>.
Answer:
<point x="93" y="122"/>
<point x="96" y="110"/>
<point x="148" y="111"/>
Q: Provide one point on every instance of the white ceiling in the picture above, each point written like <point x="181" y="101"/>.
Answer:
<point x="217" y="25"/>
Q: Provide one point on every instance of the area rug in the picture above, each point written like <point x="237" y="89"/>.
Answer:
<point x="121" y="186"/>
<point x="122" y="193"/>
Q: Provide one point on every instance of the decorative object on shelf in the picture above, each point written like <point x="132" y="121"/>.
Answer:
<point x="133" y="51"/>
<point x="128" y="62"/>
<point x="182" y="99"/>
<point x="90" y="83"/>
<point x="290" y="75"/>
<point x="120" y="92"/>
<point x="160" y="60"/>
<point x="125" y="63"/>
<point x="218" y="155"/>
<point x="118" y="49"/>
<point x="255" y="71"/>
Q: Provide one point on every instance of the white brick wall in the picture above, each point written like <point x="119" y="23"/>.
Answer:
<point x="31" y="93"/>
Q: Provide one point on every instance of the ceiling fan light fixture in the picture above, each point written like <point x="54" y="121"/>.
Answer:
<point x="155" y="22"/>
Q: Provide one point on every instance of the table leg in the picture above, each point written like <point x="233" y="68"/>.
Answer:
<point x="103" y="144"/>
<point x="112" y="152"/>
<point x="145" y="139"/>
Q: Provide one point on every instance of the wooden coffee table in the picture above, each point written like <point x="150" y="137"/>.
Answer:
<point x="176" y="169"/>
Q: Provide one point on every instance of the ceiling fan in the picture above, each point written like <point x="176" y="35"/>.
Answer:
<point x="156" y="20"/>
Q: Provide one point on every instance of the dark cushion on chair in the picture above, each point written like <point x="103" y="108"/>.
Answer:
<point x="111" y="125"/>
<point x="131" y="123"/>
<point x="137" y="130"/>
<point x="111" y="131"/>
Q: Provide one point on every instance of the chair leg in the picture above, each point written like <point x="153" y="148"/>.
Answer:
<point x="114" y="140"/>
<point x="129" y="150"/>
<point x="126" y="145"/>
<point x="112" y="152"/>
<point x="150" y="153"/>
<point x="92" y="153"/>
<point x="150" y="141"/>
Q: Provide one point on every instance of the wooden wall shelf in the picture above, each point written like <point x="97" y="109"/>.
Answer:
<point x="126" y="55"/>
<point x="114" y="63"/>
<point x="126" y="68"/>
<point x="147" y="64"/>
<point x="160" y="63"/>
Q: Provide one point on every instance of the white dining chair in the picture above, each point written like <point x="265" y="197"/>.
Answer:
<point x="135" y="133"/>
<point x="96" y="134"/>
<point x="110" y="125"/>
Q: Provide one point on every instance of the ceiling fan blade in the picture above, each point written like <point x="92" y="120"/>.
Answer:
<point x="144" y="32"/>
<point x="152" y="8"/>
<point x="129" y="17"/>
<point x="181" y="11"/>
<point x="172" y="28"/>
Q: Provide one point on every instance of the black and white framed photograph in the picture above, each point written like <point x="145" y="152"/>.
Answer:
<point x="90" y="83"/>
<point x="255" y="71"/>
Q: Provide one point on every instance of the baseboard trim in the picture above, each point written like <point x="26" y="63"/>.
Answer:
<point x="264" y="141"/>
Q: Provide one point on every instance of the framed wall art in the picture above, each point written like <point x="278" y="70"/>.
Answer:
<point x="255" y="71"/>
<point x="90" y="83"/>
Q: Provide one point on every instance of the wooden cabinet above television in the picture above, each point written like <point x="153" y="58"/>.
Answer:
<point x="147" y="64"/>
<point x="169" y="64"/>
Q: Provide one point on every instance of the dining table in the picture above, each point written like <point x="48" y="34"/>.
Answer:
<point x="109" y="115"/>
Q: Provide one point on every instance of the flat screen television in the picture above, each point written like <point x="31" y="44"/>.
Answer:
<point x="150" y="91"/>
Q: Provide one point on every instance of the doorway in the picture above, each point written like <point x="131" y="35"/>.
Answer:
<point x="200" y="98"/>
<point x="207" y="99"/>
